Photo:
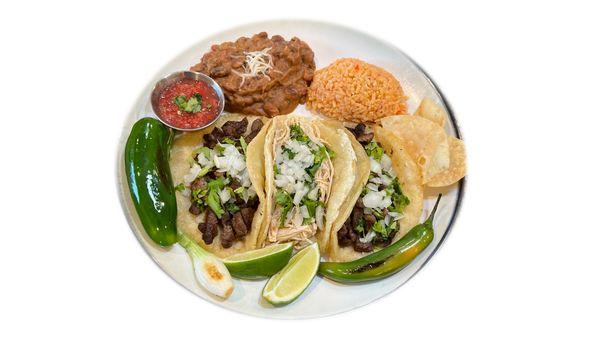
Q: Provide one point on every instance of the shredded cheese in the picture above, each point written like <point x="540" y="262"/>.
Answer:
<point x="256" y="63"/>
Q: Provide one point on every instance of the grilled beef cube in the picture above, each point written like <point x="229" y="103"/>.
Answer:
<point x="227" y="236"/>
<point x="211" y="227"/>
<point x="359" y="129"/>
<point x="344" y="235"/>
<point x="225" y="219"/>
<point x="198" y="183"/>
<point x="254" y="130"/>
<point x="239" y="227"/>
<point x="357" y="214"/>
<point x="363" y="247"/>
<point x="233" y="129"/>
<point x="211" y="139"/>
<point x="248" y="216"/>
<point x="235" y="184"/>
<point x="256" y="125"/>
<point x="202" y="227"/>
<point x="194" y="209"/>
<point x="365" y="138"/>
<point x="369" y="221"/>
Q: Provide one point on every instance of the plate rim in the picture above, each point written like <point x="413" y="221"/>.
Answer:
<point x="124" y="192"/>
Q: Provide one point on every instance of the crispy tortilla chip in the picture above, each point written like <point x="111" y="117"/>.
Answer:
<point x="458" y="165"/>
<point x="425" y="141"/>
<point x="431" y="111"/>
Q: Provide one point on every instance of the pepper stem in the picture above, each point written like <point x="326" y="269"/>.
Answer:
<point x="429" y="220"/>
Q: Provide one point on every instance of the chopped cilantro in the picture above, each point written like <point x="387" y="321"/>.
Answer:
<point x="297" y="134"/>
<point x="228" y="140"/>
<point x="320" y="154"/>
<point x="191" y="105"/>
<point x="232" y="207"/>
<point x="219" y="149"/>
<point x="283" y="199"/>
<point x="311" y="205"/>
<point x="374" y="150"/>
<point x="399" y="200"/>
<point x="360" y="226"/>
<point x="290" y="153"/>
<point x="243" y="144"/>
<point x="213" y="201"/>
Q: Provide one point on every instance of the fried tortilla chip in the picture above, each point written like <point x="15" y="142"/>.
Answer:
<point x="458" y="165"/>
<point x="425" y="141"/>
<point x="431" y="111"/>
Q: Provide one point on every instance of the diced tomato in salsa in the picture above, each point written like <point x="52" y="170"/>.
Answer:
<point x="169" y="111"/>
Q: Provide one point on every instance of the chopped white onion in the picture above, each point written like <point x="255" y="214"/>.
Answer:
<point x="201" y="158"/>
<point x="314" y="194"/>
<point x="375" y="166"/>
<point x="301" y="190"/>
<point x="224" y="195"/>
<point x="377" y="199"/>
<point x="319" y="217"/>
<point x="386" y="162"/>
<point x="368" y="238"/>
<point x="304" y="212"/>
<point x="372" y="187"/>
<point x="193" y="174"/>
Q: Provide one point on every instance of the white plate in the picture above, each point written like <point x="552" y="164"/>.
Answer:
<point x="323" y="297"/>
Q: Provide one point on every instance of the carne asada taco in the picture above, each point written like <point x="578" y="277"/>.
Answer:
<point x="309" y="170"/>
<point x="386" y="201"/>
<point x="218" y="172"/>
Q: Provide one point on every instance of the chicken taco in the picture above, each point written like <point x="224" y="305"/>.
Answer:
<point x="386" y="200"/>
<point x="218" y="173"/>
<point x="309" y="170"/>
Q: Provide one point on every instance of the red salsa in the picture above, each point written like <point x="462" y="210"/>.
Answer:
<point x="188" y="104"/>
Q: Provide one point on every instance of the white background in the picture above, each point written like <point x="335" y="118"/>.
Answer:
<point x="522" y="79"/>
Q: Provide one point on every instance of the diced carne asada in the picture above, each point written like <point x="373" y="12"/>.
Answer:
<point x="363" y="247"/>
<point x="194" y="209"/>
<point x="235" y="184"/>
<point x="211" y="228"/>
<point x="197" y="184"/>
<point x="369" y="221"/>
<point x="239" y="227"/>
<point x="360" y="134"/>
<point x="227" y="236"/>
<point x="247" y="215"/>
<point x="365" y="138"/>
<point x="233" y="129"/>
<point x="254" y="130"/>
<point x="343" y="234"/>
<point x="215" y="136"/>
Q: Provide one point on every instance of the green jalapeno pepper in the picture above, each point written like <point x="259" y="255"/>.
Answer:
<point x="386" y="261"/>
<point x="149" y="178"/>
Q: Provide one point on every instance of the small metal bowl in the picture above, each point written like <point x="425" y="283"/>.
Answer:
<point x="167" y="81"/>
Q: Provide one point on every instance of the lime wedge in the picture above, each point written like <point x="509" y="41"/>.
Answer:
<point x="285" y="286"/>
<point x="259" y="263"/>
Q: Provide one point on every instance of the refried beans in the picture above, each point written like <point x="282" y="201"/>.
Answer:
<point x="261" y="75"/>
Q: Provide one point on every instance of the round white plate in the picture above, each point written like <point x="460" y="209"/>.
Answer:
<point x="323" y="297"/>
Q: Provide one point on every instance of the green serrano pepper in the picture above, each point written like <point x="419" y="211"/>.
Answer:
<point x="149" y="177"/>
<point x="385" y="262"/>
